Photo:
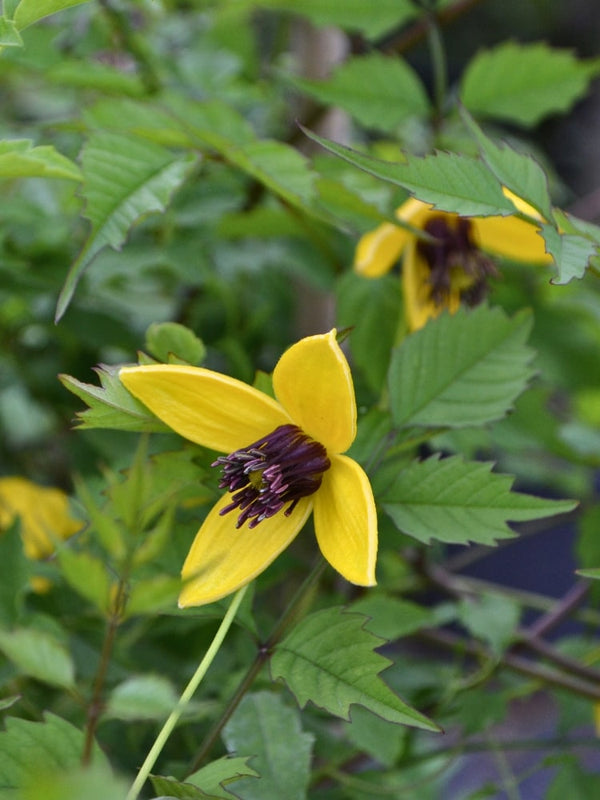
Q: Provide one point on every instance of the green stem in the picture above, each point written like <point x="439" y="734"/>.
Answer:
<point x="291" y="613"/>
<point x="186" y="696"/>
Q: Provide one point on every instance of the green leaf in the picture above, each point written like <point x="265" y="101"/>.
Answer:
<point x="9" y="34"/>
<point x="14" y="572"/>
<point x="169" y="788"/>
<point x="142" y="697"/>
<point x="351" y="15"/>
<point x="110" y="404"/>
<point x="461" y="370"/>
<point x="329" y="659"/>
<point x="173" y="343"/>
<point x="30" y="11"/>
<point x="523" y="83"/>
<point x="518" y="172"/>
<point x="262" y="726"/>
<point x="570" y="252"/>
<point x="87" y="575"/>
<point x="378" y="91"/>
<point x="125" y="178"/>
<point x="95" y="782"/>
<point x="454" y="501"/>
<point x="151" y="595"/>
<point x="492" y="618"/>
<point x="29" y="750"/>
<point x="372" y="309"/>
<point x="390" y="617"/>
<point x="572" y="781"/>
<point x="449" y="181"/>
<point x="39" y="655"/>
<point x="215" y="776"/>
<point x="19" y="159"/>
<point x="382" y="740"/>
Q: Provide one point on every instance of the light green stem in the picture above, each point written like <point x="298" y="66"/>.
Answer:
<point x="186" y="696"/>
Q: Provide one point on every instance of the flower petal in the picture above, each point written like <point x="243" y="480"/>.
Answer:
<point x="44" y="513"/>
<point x="418" y="305"/>
<point x="205" y="407"/>
<point x="378" y="250"/>
<point x="346" y="521"/>
<point x="512" y="238"/>
<point x="222" y="557"/>
<point x="312" y="381"/>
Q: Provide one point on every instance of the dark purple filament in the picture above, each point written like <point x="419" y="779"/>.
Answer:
<point x="271" y="473"/>
<point x="455" y="249"/>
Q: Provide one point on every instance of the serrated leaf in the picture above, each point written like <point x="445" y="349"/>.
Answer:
<point x="125" y="178"/>
<point x="19" y="159"/>
<point x="30" y="749"/>
<point x="215" y="776"/>
<point x="87" y="575"/>
<point x="30" y="11"/>
<point x="461" y="370"/>
<point x="523" y="83"/>
<point x="142" y="697"/>
<point x="351" y="15"/>
<point x="330" y="659"/>
<point x="262" y="726"/>
<point x="454" y="501"/>
<point x="378" y="91"/>
<point x="570" y="252"/>
<point x="518" y="172"/>
<point x="449" y="181"/>
<point x="39" y="655"/>
<point x="172" y="789"/>
<point x="110" y="404"/>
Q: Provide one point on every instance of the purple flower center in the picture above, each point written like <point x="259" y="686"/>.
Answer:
<point x="271" y="473"/>
<point x="454" y="257"/>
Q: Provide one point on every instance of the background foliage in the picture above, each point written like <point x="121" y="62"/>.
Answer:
<point x="190" y="180"/>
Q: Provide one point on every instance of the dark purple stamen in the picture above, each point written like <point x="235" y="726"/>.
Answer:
<point x="276" y="470"/>
<point x="455" y="249"/>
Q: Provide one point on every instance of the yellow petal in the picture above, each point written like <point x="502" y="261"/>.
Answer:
<point x="418" y="305"/>
<point x="44" y="514"/>
<point x="346" y="521"/>
<point x="223" y="558"/>
<point x="511" y="237"/>
<point x="205" y="407"/>
<point x="312" y="381"/>
<point x="378" y="250"/>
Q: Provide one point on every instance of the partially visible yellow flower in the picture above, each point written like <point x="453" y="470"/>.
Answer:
<point x="43" y="511"/>
<point x="284" y="460"/>
<point x="453" y="270"/>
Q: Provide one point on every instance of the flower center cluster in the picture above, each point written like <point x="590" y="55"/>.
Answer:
<point x="455" y="262"/>
<point x="276" y="470"/>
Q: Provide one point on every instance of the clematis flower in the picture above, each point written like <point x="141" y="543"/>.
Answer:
<point x="454" y="269"/>
<point x="283" y="460"/>
<point x="44" y="514"/>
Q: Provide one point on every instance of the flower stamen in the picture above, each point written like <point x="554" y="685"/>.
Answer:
<point x="456" y="264"/>
<point x="277" y="470"/>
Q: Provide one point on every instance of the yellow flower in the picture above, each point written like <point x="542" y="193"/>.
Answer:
<point x="454" y="269"/>
<point x="44" y="514"/>
<point x="285" y="460"/>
